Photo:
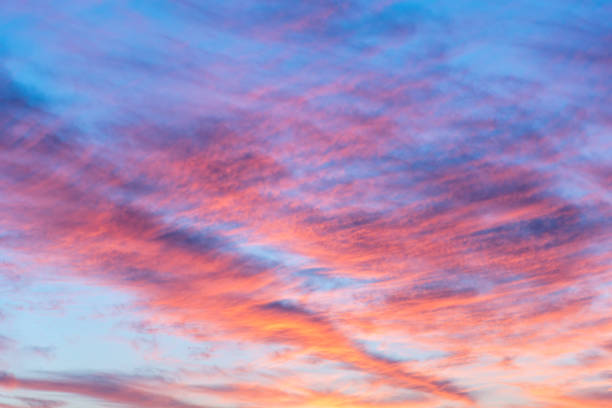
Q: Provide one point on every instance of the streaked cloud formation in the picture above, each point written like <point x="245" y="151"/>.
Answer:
<point x="305" y="204"/>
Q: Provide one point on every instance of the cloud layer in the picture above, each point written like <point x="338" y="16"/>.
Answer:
<point x="378" y="204"/>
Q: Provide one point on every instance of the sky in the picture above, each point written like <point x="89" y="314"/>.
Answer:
<point x="305" y="204"/>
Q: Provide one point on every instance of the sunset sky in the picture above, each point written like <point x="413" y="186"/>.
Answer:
<point x="305" y="204"/>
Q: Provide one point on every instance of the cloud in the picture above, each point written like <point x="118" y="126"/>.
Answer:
<point x="455" y="219"/>
<point x="41" y="403"/>
<point x="100" y="387"/>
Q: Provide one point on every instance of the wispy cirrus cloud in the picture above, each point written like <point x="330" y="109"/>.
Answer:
<point x="339" y="188"/>
<point x="100" y="387"/>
